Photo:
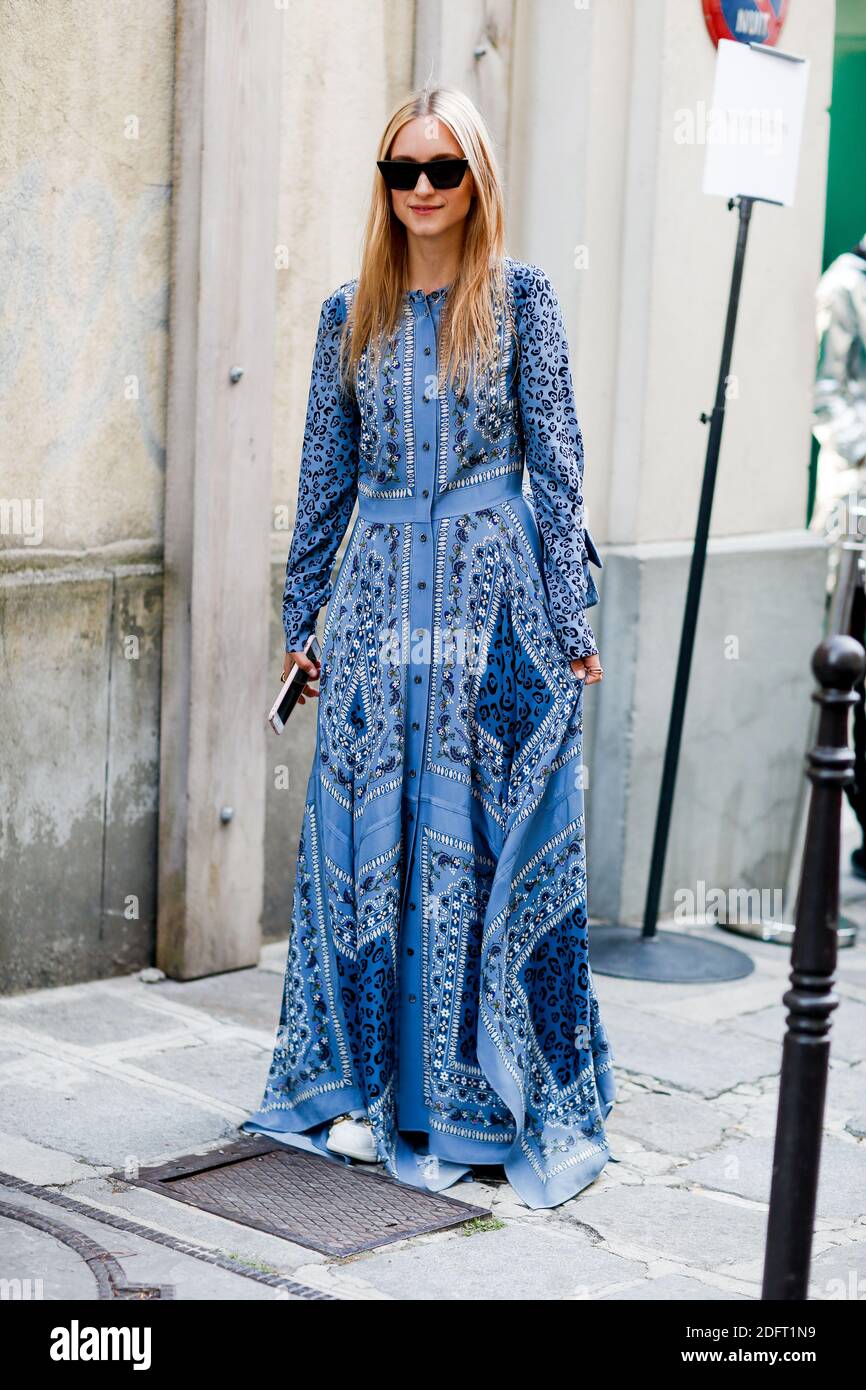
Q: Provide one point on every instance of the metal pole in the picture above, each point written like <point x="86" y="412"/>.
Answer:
<point x="849" y="577"/>
<point x="837" y="664"/>
<point x="696" y="575"/>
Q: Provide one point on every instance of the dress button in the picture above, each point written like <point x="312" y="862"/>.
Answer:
<point x="411" y="999"/>
<point x="422" y="583"/>
<point x="411" y="816"/>
<point x="425" y="492"/>
<point x="417" y="680"/>
<point x="426" y="352"/>
<point x="411" y="772"/>
<point x="426" y="447"/>
<point x="415" y="724"/>
<point x="423" y="536"/>
<point x="410" y="950"/>
<point x="412" y="907"/>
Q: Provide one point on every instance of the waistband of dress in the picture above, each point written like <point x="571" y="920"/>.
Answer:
<point x="455" y="502"/>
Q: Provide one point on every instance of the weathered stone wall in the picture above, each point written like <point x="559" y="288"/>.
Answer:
<point x="85" y="144"/>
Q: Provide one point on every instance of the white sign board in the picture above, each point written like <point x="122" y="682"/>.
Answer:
<point x="754" y="126"/>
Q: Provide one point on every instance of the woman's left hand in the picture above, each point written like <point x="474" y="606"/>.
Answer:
<point x="588" y="668"/>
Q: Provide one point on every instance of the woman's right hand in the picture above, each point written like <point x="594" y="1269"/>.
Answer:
<point x="307" y="664"/>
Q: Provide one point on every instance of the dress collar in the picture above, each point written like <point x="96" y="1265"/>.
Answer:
<point x="418" y="296"/>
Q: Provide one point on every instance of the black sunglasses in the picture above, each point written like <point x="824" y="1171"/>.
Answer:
<point x="403" y="174"/>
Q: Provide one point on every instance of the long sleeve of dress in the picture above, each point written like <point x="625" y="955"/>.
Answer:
<point x="839" y="414"/>
<point x="328" y="482"/>
<point x="554" y="459"/>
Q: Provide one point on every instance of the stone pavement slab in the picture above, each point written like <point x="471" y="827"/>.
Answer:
<point x="38" y="1265"/>
<point x="846" y="1089"/>
<point x="840" y="1272"/>
<point x="523" y="1261"/>
<point x="706" y="1060"/>
<point x="674" y="1288"/>
<point x="220" y="1069"/>
<point x="86" y="1015"/>
<point x="651" y="1221"/>
<point x="848" y="1028"/>
<point x="745" y="1167"/>
<point x="107" y="1120"/>
<point x="247" y="997"/>
<point x="674" y="1123"/>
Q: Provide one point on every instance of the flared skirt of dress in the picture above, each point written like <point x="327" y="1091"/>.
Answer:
<point x="438" y="973"/>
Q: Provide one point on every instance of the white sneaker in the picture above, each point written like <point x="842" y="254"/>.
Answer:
<point x="354" y="1138"/>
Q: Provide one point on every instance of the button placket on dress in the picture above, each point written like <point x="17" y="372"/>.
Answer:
<point x="412" y="1112"/>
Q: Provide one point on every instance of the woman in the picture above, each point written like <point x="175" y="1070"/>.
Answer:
<point x="439" y="1008"/>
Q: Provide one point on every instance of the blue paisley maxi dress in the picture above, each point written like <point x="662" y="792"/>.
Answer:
<point x="438" y="976"/>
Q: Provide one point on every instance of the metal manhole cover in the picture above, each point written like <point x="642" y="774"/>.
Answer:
<point x="336" y="1208"/>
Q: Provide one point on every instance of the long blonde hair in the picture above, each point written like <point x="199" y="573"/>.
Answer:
<point x="468" y="324"/>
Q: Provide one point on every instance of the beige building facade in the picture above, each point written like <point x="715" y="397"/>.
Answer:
<point x="139" y="518"/>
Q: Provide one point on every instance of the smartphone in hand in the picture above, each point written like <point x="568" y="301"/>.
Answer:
<point x="293" y="687"/>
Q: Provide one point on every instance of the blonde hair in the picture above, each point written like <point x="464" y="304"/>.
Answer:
<point x="468" y="325"/>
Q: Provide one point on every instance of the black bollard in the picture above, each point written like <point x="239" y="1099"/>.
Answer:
<point x="837" y="664"/>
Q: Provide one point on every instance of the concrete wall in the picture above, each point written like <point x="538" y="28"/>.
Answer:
<point x="85" y="151"/>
